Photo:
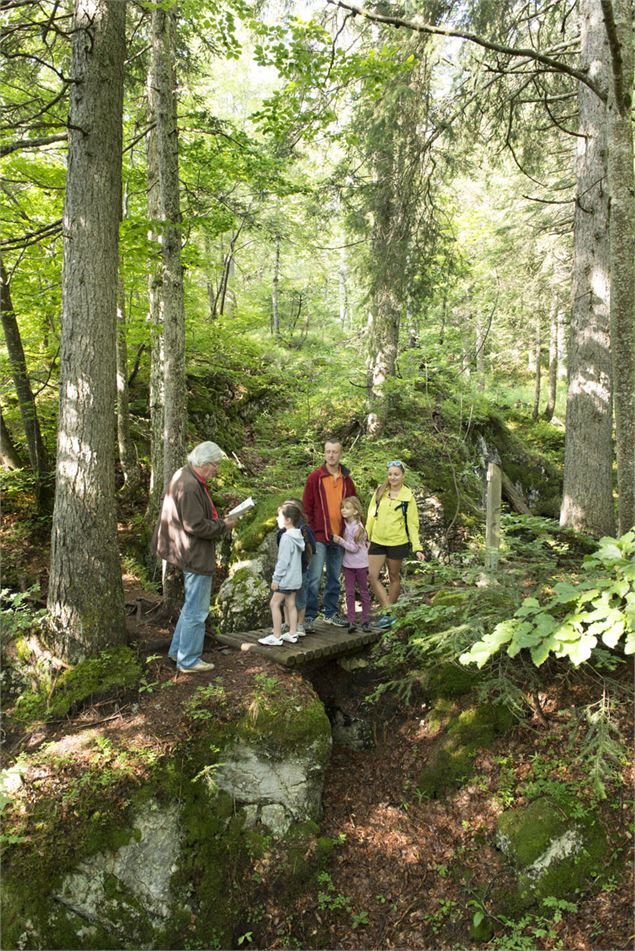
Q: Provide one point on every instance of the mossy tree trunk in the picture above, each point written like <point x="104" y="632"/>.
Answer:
<point x="26" y="399"/>
<point x="85" y="592"/>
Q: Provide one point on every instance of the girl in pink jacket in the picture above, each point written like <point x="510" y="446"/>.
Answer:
<point x="355" y="562"/>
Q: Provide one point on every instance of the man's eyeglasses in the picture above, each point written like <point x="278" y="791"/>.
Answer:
<point x="395" y="462"/>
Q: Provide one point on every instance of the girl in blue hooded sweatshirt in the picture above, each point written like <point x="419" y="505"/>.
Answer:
<point x="287" y="577"/>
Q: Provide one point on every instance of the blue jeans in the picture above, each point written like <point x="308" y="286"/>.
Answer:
<point x="187" y="642"/>
<point x="331" y="554"/>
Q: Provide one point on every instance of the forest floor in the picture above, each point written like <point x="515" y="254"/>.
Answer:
<point x="405" y="870"/>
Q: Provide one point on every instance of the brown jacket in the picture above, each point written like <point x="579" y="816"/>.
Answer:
<point x="187" y="529"/>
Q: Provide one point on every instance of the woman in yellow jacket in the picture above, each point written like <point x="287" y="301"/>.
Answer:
<point x="393" y="531"/>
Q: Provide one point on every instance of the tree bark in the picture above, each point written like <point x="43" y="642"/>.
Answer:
<point x="342" y="276"/>
<point x="9" y="455"/>
<point x="26" y="400"/>
<point x="618" y="18"/>
<point x="162" y="87"/>
<point x="553" y="363"/>
<point x="85" y="592"/>
<point x="538" y="369"/>
<point x="587" y="503"/>
<point x="126" y="448"/>
<point x="155" y="283"/>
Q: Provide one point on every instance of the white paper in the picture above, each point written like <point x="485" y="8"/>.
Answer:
<point x="242" y="508"/>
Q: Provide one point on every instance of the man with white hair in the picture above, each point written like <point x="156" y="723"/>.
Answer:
<point x="186" y="536"/>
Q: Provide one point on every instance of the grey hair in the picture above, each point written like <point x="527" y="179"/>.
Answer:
<point x="205" y="452"/>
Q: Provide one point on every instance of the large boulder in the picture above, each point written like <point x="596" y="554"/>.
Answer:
<point x="243" y="599"/>
<point x="555" y="849"/>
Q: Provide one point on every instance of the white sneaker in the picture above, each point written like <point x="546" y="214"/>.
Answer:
<point x="300" y="630"/>
<point x="199" y="667"/>
<point x="290" y="638"/>
<point x="271" y="641"/>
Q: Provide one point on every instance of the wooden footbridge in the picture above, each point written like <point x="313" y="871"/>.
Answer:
<point x="325" y="642"/>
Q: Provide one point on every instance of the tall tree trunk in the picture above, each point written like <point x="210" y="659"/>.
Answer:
<point x="155" y="283"/>
<point x="9" y="455"/>
<point x="275" y="282"/>
<point x="22" y="383"/>
<point x="342" y="275"/>
<point x="163" y="104"/>
<point x="479" y="347"/>
<point x="538" y="369"/>
<point x="126" y="448"/>
<point x="553" y="363"/>
<point x="618" y="17"/>
<point x="587" y="503"/>
<point x="85" y="592"/>
<point x="563" y="358"/>
<point x="383" y="348"/>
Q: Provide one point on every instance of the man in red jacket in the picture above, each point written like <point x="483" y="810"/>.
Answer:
<point x="323" y="493"/>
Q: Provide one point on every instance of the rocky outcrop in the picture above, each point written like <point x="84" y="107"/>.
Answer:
<point x="147" y="865"/>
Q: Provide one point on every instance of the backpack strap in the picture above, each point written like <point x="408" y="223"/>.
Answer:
<point x="404" y="511"/>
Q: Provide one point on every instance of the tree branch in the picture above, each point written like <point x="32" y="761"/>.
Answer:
<point x="557" y="65"/>
<point x="31" y="143"/>
<point x="32" y="237"/>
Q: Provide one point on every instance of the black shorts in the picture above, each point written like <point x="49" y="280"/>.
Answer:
<point x="394" y="552"/>
<point x="286" y="590"/>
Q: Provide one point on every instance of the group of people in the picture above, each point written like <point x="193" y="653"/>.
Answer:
<point x="324" y="532"/>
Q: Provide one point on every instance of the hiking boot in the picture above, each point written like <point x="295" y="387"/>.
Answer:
<point x="384" y="622"/>
<point x="352" y="628"/>
<point x="337" y="620"/>
<point x="365" y="627"/>
<point x="308" y="625"/>
<point x="300" y="630"/>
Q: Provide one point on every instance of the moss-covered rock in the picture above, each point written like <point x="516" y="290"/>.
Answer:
<point x="553" y="852"/>
<point x="243" y="599"/>
<point x="113" y="860"/>
<point x="451" y="762"/>
<point x="448" y="681"/>
<point x="113" y="670"/>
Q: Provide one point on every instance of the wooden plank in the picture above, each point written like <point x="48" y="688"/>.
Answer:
<point x="325" y="642"/>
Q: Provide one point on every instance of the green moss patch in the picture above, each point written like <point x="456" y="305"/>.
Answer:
<point x="92" y="679"/>
<point x="250" y="534"/>
<point x="554" y="853"/>
<point x="452" y="760"/>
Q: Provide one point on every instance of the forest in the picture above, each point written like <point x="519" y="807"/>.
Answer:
<point x="403" y="228"/>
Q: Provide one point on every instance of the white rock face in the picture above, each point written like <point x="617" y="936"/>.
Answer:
<point x="143" y="867"/>
<point x="561" y="848"/>
<point x="281" y="791"/>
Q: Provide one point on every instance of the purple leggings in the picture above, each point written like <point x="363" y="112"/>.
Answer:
<point x="359" y="577"/>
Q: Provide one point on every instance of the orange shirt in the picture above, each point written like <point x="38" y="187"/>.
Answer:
<point x="334" y="492"/>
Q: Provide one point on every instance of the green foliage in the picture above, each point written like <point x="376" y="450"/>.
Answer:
<point x="533" y="930"/>
<point x="569" y="622"/>
<point x="17" y="615"/>
<point x="205" y="701"/>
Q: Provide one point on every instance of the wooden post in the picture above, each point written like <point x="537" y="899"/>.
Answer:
<point x="493" y="516"/>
